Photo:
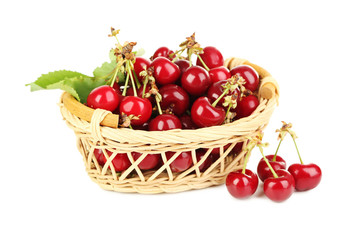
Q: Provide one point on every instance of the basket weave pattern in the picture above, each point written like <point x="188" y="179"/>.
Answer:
<point x="93" y="135"/>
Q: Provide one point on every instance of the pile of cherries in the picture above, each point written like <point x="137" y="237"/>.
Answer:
<point x="168" y="92"/>
<point x="279" y="184"/>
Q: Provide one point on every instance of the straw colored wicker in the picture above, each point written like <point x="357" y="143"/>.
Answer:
<point x="97" y="129"/>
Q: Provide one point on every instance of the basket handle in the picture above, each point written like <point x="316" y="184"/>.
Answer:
<point x="269" y="88"/>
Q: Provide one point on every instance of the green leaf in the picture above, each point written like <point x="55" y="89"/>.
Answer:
<point x="79" y="87"/>
<point x="140" y="52"/>
<point x="107" y="69"/>
<point x="52" y="77"/>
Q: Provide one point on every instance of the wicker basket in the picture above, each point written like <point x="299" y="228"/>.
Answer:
<point x="97" y="129"/>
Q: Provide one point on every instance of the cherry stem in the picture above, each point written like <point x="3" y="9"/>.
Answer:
<point x="267" y="162"/>
<point x="247" y="159"/>
<point x="297" y="150"/>
<point x="114" y="77"/>
<point x="133" y="71"/>
<point x="177" y="54"/>
<point x="203" y="63"/>
<point x="219" y="98"/>
<point x="144" y="88"/>
<point x="132" y="79"/>
<point x="126" y="84"/>
<point x="158" y="105"/>
<point x="277" y="149"/>
<point x="228" y="110"/>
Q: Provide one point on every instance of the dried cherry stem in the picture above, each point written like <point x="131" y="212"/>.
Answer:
<point x="267" y="162"/>
<point x="203" y="63"/>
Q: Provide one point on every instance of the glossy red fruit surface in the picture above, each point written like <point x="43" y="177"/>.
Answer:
<point x="165" y="71"/>
<point x="219" y="73"/>
<point x="263" y="170"/>
<point x="121" y="161"/>
<point x="174" y="98"/>
<point x="205" y="115"/>
<point x="242" y="185"/>
<point x="104" y="97"/>
<point x="98" y="154"/>
<point x="249" y="74"/>
<point x="183" y="65"/>
<point x="208" y="161"/>
<point x="246" y="106"/>
<point x="139" y="92"/>
<point x="212" y="58"/>
<point x="139" y="107"/>
<point x="186" y="122"/>
<point x="215" y="91"/>
<point x="164" y="122"/>
<point x="140" y="64"/>
<point x="281" y="188"/>
<point x="181" y="163"/>
<point x="163" y="52"/>
<point x="195" y="80"/>
<point x="149" y="162"/>
<point x="307" y="176"/>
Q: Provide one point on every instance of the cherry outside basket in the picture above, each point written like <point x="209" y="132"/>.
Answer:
<point x="98" y="129"/>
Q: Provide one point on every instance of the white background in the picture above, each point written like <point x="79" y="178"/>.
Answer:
<point x="310" y="47"/>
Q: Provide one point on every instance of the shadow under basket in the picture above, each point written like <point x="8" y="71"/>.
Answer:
<point x="98" y="129"/>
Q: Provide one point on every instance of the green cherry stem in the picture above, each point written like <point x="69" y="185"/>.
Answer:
<point x="131" y="77"/>
<point x="221" y="96"/>
<point x="297" y="150"/>
<point x="277" y="149"/>
<point x="133" y="71"/>
<point x="267" y="162"/>
<point x="203" y="63"/>
<point x="126" y="84"/>
<point x="158" y="105"/>
<point x="247" y="158"/>
<point x="114" y="77"/>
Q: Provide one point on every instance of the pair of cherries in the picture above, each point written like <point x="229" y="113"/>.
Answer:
<point x="279" y="184"/>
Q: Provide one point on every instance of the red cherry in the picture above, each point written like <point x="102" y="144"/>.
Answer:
<point x="195" y="80"/>
<point x="264" y="171"/>
<point x="139" y="65"/>
<point x="217" y="150"/>
<point x="139" y="107"/>
<point x="186" y="122"/>
<point x="174" y="98"/>
<point x="183" y="65"/>
<point x="117" y="89"/>
<point x="144" y="126"/>
<point x="121" y="161"/>
<point x="181" y="163"/>
<point x="307" y="176"/>
<point x="130" y="92"/>
<point x="242" y="185"/>
<point x="238" y="148"/>
<point x="212" y="57"/>
<point x="104" y="97"/>
<point x="98" y="154"/>
<point x="162" y="52"/>
<point x="246" y="106"/>
<point x="165" y="71"/>
<point x="215" y="91"/>
<point x="219" y="73"/>
<point x="149" y="162"/>
<point x="281" y="188"/>
<point x="207" y="163"/>
<point x="164" y="122"/>
<point x="205" y="115"/>
<point x="249" y="74"/>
